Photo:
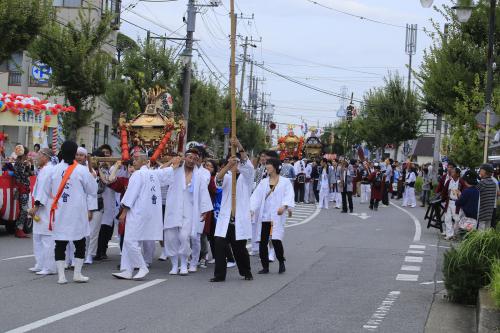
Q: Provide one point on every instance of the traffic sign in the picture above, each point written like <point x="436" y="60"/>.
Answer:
<point x="481" y="117"/>
<point x="41" y="72"/>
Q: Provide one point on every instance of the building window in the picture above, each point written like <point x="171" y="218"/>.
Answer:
<point x="96" y="135"/>
<point x="14" y="78"/>
<point x="113" y="6"/>
<point x="106" y="133"/>
<point x="429" y="126"/>
<point x="67" y="3"/>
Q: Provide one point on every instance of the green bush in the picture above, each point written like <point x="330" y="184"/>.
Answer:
<point x="467" y="268"/>
<point x="418" y="184"/>
<point x="495" y="282"/>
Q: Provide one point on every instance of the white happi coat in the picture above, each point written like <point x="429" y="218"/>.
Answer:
<point x="175" y="179"/>
<point x="143" y="197"/>
<point x="71" y="220"/>
<point x="283" y="195"/>
<point x="41" y="193"/>
<point x="243" y="220"/>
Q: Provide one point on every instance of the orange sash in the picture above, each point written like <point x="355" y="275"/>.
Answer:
<point x="60" y="190"/>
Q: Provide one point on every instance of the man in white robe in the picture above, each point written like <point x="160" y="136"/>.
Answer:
<point x="142" y="215"/>
<point x="188" y="201"/>
<point x="43" y="242"/>
<point x="71" y="215"/>
<point x="235" y="230"/>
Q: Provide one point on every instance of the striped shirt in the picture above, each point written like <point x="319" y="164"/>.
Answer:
<point x="488" y="193"/>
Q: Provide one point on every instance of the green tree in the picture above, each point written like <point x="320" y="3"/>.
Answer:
<point x="454" y="58"/>
<point x="148" y="66"/>
<point x="123" y="44"/>
<point x="390" y="114"/>
<point x="80" y="65"/>
<point x="21" y="21"/>
<point x="464" y="142"/>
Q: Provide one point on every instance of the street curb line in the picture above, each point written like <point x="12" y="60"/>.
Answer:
<point x="418" y="227"/>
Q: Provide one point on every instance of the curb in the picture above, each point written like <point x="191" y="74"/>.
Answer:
<point x="488" y="315"/>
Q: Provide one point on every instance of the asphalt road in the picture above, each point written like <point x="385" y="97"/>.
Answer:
<point x="344" y="274"/>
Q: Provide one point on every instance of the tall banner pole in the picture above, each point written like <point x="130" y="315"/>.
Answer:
<point x="233" y="102"/>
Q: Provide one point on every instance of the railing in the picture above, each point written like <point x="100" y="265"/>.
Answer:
<point x="14" y="78"/>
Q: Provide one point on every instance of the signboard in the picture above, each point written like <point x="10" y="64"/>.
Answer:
<point x="41" y="72"/>
<point x="25" y="119"/>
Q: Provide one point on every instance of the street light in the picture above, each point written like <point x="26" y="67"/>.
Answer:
<point x="463" y="13"/>
<point x="426" y="3"/>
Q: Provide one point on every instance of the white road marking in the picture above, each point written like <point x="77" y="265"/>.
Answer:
<point x="432" y="282"/>
<point x="415" y="252"/>
<point x="309" y="219"/>
<point x="413" y="246"/>
<point x="19" y="257"/>
<point x="410" y="268"/>
<point x="407" y="277"/>
<point x="85" y="307"/>
<point x="362" y="216"/>
<point x="413" y="259"/>
<point x="378" y="316"/>
<point x="418" y="227"/>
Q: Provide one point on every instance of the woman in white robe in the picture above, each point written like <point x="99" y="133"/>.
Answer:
<point x="142" y="213"/>
<point x="324" y="184"/>
<point x="71" y="219"/>
<point x="269" y="202"/>
<point x="409" y="194"/>
<point x="43" y="242"/>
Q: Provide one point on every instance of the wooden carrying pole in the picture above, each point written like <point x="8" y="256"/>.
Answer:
<point x="233" y="104"/>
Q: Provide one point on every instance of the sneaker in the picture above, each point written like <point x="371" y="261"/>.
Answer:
<point x="230" y="264"/>
<point x="35" y="269"/>
<point x="163" y="257"/>
<point x="46" y="272"/>
<point x="203" y="263"/>
<point x="192" y="269"/>
<point x="211" y="261"/>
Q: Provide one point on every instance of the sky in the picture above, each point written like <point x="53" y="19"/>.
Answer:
<point x="302" y="40"/>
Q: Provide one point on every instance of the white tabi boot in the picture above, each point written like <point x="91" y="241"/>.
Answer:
<point x="184" y="268"/>
<point x="125" y="275"/>
<point x="89" y="260"/>
<point x="60" y="271"/>
<point x="141" y="274"/>
<point x="77" y="275"/>
<point x="175" y="265"/>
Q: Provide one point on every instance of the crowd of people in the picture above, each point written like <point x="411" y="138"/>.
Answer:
<point x="184" y="203"/>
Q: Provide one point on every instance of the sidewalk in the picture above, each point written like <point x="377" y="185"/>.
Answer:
<point x="445" y="316"/>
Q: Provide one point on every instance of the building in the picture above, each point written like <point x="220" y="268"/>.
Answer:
<point x="21" y="75"/>
<point x="422" y="149"/>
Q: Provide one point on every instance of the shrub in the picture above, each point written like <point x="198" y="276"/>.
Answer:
<point x="418" y="184"/>
<point x="467" y="268"/>
<point x="495" y="282"/>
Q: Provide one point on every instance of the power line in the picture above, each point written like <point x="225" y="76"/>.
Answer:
<point x="364" y="18"/>
<point x="306" y="85"/>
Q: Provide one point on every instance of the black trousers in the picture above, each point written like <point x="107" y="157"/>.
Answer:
<point x="385" y="194"/>
<point x="374" y="203"/>
<point x="315" y="189"/>
<point x="60" y="249"/>
<point x="211" y="241"/>
<point x="346" y="196"/>
<point x="264" y="240"/>
<point x="240" y="254"/>
<point x="300" y="189"/>
<point x="105" y="235"/>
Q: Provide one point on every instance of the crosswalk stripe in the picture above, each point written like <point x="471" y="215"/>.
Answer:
<point x="407" y="277"/>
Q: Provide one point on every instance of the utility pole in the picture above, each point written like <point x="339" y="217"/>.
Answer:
<point x="410" y="49"/>
<point x="439" y="121"/>
<point x="187" y="57"/>
<point x="250" y="87"/>
<point x="233" y="104"/>
<point x="489" y="77"/>
<point x="245" y="46"/>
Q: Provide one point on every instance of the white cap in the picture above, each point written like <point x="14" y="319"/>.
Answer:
<point x="82" y="150"/>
